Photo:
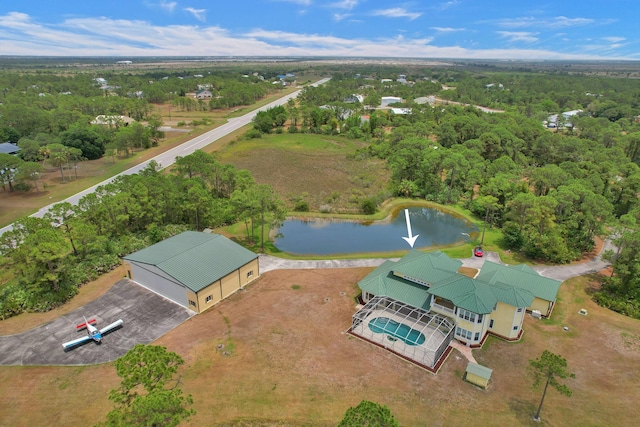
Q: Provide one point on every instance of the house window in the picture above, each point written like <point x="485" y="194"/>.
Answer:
<point x="477" y="336"/>
<point x="491" y="323"/>
<point x="463" y="333"/>
<point x="515" y="328"/>
<point x="249" y="274"/>
<point x="467" y="315"/>
<point x="519" y="309"/>
<point x="193" y="303"/>
<point x="479" y="318"/>
<point x="208" y="298"/>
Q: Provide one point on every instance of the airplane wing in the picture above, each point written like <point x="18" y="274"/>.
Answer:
<point x="76" y="342"/>
<point x="114" y="325"/>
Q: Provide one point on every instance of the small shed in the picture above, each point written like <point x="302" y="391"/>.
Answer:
<point x="478" y="375"/>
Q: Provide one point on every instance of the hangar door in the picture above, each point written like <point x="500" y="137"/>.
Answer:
<point x="155" y="279"/>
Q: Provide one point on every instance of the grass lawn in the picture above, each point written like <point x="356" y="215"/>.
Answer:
<point x="291" y="364"/>
<point x="319" y="169"/>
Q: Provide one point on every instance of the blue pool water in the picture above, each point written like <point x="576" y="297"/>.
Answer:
<point x="384" y="325"/>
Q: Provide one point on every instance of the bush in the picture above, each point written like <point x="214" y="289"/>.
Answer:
<point x="253" y="134"/>
<point x="368" y="206"/>
<point x="301" y="206"/>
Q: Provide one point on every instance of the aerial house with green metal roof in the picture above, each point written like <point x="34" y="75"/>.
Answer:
<point x="193" y="269"/>
<point x="418" y="304"/>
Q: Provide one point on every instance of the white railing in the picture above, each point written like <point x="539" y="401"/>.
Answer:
<point x="442" y="308"/>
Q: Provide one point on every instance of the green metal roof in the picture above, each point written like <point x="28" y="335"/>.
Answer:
<point x="195" y="259"/>
<point x="467" y="293"/>
<point x="522" y="277"/>
<point x="515" y="285"/>
<point x="427" y="267"/>
<point x="479" y="370"/>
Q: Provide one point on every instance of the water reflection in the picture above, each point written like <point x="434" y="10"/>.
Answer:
<point x="327" y="236"/>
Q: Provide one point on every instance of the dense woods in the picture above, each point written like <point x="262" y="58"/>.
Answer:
<point x="551" y="190"/>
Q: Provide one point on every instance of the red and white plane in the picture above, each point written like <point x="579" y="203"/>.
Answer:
<point x="93" y="333"/>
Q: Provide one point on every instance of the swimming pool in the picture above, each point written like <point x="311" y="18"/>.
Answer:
<point x="384" y="325"/>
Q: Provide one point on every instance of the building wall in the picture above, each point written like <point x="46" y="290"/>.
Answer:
<point x="477" y="330"/>
<point x="249" y="272"/>
<point x="543" y="306"/>
<point x="212" y="293"/>
<point x="156" y="280"/>
<point x="477" y="380"/>
<point x="232" y="282"/>
<point x="503" y="320"/>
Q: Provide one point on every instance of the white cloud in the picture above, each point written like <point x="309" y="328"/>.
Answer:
<point x="20" y="35"/>
<point x="199" y="14"/>
<point x="340" y="16"/>
<point x="555" y="22"/>
<point x="447" y="29"/>
<point x="518" y="36"/>
<point x="447" y="5"/>
<point x="397" y="12"/>
<point x="300" y="2"/>
<point x="613" y="39"/>
<point x="345" y="4"/>
<point x="168" y="6"/>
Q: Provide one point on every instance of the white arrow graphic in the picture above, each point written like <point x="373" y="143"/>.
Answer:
<point x="411" y="239"/>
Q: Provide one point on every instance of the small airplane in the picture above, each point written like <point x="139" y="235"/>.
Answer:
<point x="93" y="333"/>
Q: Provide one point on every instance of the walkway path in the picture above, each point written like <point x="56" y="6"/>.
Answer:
<point x="558" y="272"/>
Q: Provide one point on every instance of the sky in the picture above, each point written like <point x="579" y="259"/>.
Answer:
<point x="463" y="29"/>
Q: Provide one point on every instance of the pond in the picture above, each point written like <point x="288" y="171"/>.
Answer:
<point x="329" y="236"/>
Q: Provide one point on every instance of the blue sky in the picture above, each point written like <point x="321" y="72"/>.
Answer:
<point x="481" y="29"/>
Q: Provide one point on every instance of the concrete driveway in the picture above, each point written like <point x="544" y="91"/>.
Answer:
<point x="146" y="315"/>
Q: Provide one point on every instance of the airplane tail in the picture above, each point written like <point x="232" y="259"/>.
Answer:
<point x="86" y="322"/>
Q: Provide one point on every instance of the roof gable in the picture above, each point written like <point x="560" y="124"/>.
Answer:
<point x="522" y="277"/>
<point x="467" y="293"/>
<point x="195" y="259"/>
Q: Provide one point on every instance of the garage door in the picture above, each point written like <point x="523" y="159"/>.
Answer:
<point x="153" y="280"/>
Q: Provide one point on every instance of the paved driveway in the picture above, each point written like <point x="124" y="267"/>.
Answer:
<point x="146" y="315"/>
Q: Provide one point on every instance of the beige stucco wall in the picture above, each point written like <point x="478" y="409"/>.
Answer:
<point x="479" y="381"/>
<point x="249" y="272"/>
<point x="543" y="306"/>
<point x="226" y="286"/>
<point x="474" y="328"/>
<point x="192" y="297"/>
<point x="229" y="284"/>
<point x="212" y="290"/>
<point x="504" y="319"/>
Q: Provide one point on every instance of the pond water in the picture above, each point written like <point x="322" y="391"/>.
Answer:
<point x="326" y="236"/>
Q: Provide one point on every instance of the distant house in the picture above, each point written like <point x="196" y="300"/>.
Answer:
<point x="203" y="94"/>
<point x="401" y="111"/>
<point x="387" y="100"/>
<point x="194" y="269"/>
<point x="112" y="120"/>
<point x="351" y="99"/>
<point x="552" y="121"/>
<point x="424" y="292"/>
<point x="9" y="148"/>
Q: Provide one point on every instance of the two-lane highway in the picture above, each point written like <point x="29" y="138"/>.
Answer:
<point x="169" y="157"/>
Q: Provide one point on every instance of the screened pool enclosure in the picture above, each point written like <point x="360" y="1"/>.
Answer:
<point x="409" y="332"/>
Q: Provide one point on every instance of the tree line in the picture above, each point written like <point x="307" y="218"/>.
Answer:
<point x="551" y="192"/>
<point x="47" y="259"/>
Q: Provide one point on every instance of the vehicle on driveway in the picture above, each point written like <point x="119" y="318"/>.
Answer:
<point x="477" y="251"/>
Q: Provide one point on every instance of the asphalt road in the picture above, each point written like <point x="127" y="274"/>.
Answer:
<point x="169" y="157"/>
